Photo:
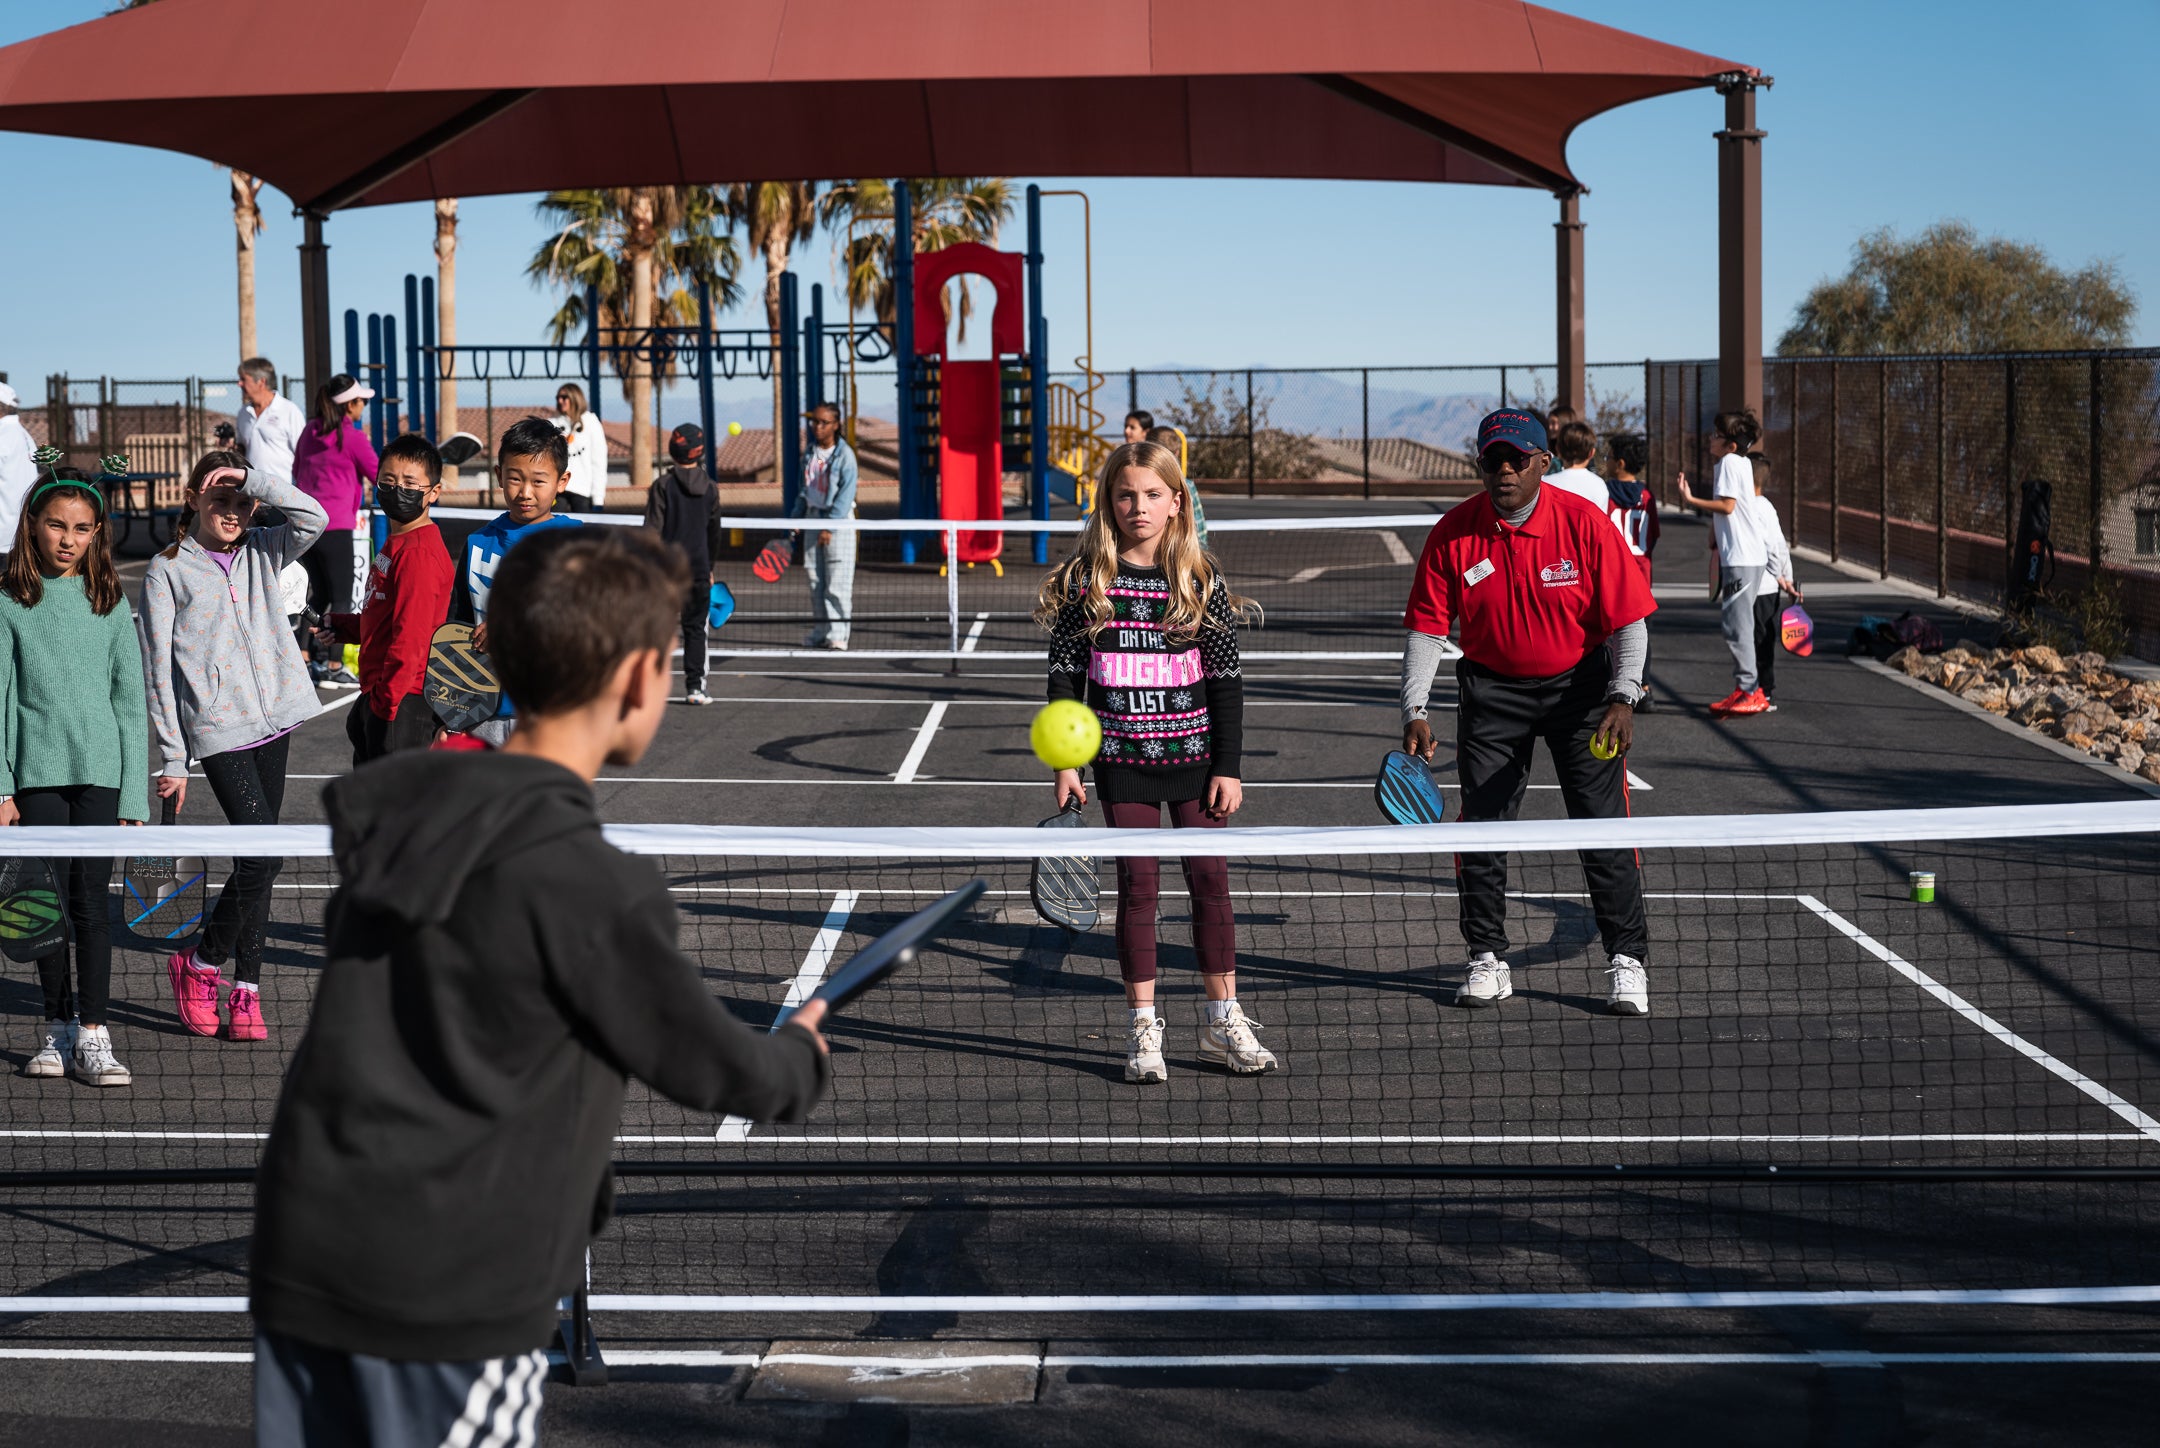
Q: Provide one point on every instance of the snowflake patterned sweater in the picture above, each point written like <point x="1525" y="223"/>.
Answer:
<point x="1172" y="710"/>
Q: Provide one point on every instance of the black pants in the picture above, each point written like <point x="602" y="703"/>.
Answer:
<point x="329" y="565"/>
<point x="87" y="884"/>
<point x="373" y="736"/>
<point x="1498" y="724"/>
<point x="574" y="503"/>
<point x="250" y="788"/>
<point x="1769" y="620"/>
<point x="695" y="610"/>
<point x="317" y="1397"/>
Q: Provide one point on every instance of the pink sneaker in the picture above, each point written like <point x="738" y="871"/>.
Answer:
<point x="247" y="1022"/>
<point x="194" y="988"/>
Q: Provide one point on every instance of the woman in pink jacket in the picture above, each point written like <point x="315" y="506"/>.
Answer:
<point x="333" y="464"/>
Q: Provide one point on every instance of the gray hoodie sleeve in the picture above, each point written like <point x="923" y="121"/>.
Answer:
<point x="304" y="517"/>
<point x="1422" y="656"/>
<point x="1630" y="652"/>
<point x="158" y="681"/>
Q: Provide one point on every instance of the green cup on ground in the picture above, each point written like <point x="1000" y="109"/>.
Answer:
<point x="1923" y="886"/>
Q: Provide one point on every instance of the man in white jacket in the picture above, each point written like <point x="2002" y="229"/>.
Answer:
<point x="269" y="422"/>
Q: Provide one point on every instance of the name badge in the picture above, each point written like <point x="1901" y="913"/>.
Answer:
<point x="1477" y="572"/>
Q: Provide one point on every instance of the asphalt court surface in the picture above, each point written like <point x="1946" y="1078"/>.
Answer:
<point x="1780" y="1032"/>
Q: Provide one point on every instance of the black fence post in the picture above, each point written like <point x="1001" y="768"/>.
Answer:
<point x="1837" y="416"/>
<point x="1882" y="462"/>
<point x="1942" y="482"/>
<point x="1252" y="487"/>
<point x="1365" y="422"/>
<point x="2010" y="477"/>
<point x="2095" y="543"/>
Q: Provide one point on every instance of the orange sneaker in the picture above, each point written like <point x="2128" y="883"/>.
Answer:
<point x="1755" y="703"/>
<point x="1727" y="702"/>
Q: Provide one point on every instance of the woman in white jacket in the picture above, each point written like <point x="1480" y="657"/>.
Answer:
<point x="587" y="489"/>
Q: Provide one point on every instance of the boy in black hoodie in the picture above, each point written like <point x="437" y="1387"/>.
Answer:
<point x="495" y="970"/>
<point x="683" y="507"/>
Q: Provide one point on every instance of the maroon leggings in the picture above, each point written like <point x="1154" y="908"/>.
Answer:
<point x="1139" y="886"/>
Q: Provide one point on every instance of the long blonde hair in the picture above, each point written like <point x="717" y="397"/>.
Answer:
<point x="1087" y="574"/>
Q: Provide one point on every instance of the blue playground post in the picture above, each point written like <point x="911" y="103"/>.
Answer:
<point x="352" y="345"/>
<point x="376" y="380"/>
<point x="707" y="411"/>
<point x="430" y="364"/>
<point x="414" y="412"/>
<point x="394" y="419"/>
<point x="1038" y="377"/>
<point x="903" y="255"/>
<point x="592" y="349"/>
<point x="789" y="451"/>
<point x="814" y="349"/>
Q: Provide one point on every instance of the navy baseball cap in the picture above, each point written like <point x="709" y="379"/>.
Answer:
<point x="1517" y="429"/>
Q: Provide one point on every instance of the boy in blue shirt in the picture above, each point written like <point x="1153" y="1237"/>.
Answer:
<point x="532" y="463"/>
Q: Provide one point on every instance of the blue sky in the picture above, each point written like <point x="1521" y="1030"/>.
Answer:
<point x="2023" y="119"/>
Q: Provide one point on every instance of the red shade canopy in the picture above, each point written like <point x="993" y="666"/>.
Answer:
<point x="401" y="100"/>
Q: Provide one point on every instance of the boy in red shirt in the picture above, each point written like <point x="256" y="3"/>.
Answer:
<point x="408" y="597"/>
<point x="1551" y="605"/>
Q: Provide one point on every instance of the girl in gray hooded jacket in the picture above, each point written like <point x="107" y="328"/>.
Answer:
<point x="227" y="686"/>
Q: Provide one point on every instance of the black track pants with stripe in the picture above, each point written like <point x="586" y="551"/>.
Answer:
<point x="1499" y="722"/>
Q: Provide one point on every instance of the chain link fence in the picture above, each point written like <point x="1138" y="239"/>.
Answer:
<point x="1914" y="467"/>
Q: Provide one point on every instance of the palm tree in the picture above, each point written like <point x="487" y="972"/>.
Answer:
<point x="247" y="225"/>
<point x="947" y="209"/>
<point x="446" y="305"/>
<point x="775" y="215"/>
<point x="644" y="249"/>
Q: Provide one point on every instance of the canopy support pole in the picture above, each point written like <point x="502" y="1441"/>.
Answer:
<point x="1740" y="345"/>
<point x="1569" y="391"/>
<point x="314" y="306"/>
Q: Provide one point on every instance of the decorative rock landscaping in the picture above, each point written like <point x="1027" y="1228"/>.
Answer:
<point x="2078" y="699"/>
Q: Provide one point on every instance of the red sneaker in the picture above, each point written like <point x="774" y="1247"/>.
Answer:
<point x="194" y="988"/>
<point x="1755" y="703"/>
<point x="1727" y="702"/>
<point x="247" y="1022"/>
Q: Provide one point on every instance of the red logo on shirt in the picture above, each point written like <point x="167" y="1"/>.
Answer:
<point x="1560" y="575"/>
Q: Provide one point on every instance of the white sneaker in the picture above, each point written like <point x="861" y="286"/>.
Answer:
<point x="1630" y="988"/>
<point x="1487" y="984"/>
<point x="1143" y="1053"/>
<point x="697" y="696"/>
<point x="1231" y="1041"/>
<point x="95" y="1063"/>
<point x="51" y="1059"/>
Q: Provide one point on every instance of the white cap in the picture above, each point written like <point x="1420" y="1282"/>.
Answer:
<point x="357" y="390"/>
<point x="8" y="397"/>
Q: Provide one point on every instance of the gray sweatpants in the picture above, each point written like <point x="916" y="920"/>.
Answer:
<point x="1736" y="613"/>
<point x="313" y="1396"/>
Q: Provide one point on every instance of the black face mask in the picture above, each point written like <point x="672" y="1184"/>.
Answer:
<point x="400" y="505"/>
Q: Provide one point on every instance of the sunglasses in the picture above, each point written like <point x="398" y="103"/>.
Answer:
<point x="1501" y="458"/>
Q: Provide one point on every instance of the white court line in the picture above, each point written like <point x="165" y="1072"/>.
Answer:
<point x="1541" y="1139"/>
<point x="816" y="961"/>
<point x="2125" y="1109"/>
<point x="910" y="1366"/>
<point x="1238" y="1302"/>
<point x="906" y="773"/>
<point x="974" y="634"/>
<point x="1636" y="781"/>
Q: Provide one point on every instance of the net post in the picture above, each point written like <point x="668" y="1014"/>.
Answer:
<point x="952" y="595"/>
<point x="574" y="1334"/>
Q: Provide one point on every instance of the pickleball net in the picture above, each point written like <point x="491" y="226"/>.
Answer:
<point x="1838" y="1087"/>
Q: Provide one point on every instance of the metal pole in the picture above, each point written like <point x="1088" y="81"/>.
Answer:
<point x="790" y="453"/>
<point x="394" y="408"/>
<point x="1365" y="422"/>
<point x="952" y="593"/>
<point x="903" y="253"/>
<point x="1882" y="462"/>
<point x="2010" y="477"/>
<point x="1038" y="378"/>
<point x="1740" y="356"/>
<point x="415" y="416"/>
<point x="352" y="345"/>
<point x="2095" y="542"/>
<point x="1132" y="389"/>
<point x="592" y="350"/>
<point x="1251" y="487"/>
<point x="1836" y="418"/>
<point x="814" y="348"/>
<point x="1942" y="485"/>
<point x="1792" y="448"/>
<point x="1503" y="389"/>
<point x="1568" y="306"/>
<point x="430" y="362"/>
<point x="376" y="380"/>
<point x="314" y="306"/>
<point x="708" y="409"/>
<point x="487" y="389"/>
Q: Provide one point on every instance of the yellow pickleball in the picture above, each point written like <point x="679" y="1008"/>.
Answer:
<point x="734" y="429"/>
<point x="1065" y="734"/>
<point x="1600" y="748"/>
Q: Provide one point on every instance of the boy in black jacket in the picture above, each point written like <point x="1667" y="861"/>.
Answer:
<point x="495" y="969"/>
<point x="683" y="507"/>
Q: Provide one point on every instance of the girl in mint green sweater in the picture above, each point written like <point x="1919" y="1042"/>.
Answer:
<point x="74" y="742"/>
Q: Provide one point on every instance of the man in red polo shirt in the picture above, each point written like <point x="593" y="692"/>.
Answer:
<point x="1551" y="607"/>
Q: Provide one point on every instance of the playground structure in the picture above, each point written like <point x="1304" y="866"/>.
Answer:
<point x="962" y="423"/>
